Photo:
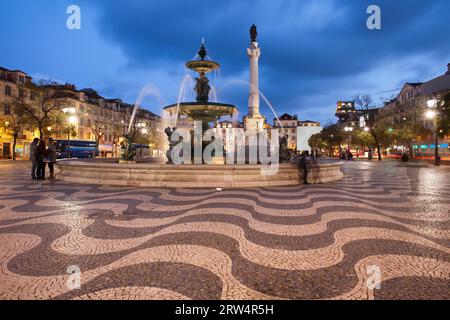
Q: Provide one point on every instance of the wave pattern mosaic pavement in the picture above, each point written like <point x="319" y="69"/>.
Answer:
<point x="301" y="242"/>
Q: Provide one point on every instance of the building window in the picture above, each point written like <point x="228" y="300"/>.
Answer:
<point x="7" y="109"/>
<point x="8" y="91"/>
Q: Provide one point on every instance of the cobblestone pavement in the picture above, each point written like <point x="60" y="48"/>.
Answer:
<point x="303" y="242"/>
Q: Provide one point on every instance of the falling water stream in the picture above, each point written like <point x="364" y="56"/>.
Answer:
<point x="181" y="96"/>
<point x="147" y="90"/>
<point x="239" y="81"/>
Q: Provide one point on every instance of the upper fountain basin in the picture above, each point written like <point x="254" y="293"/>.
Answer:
<point x="202" y="65"/>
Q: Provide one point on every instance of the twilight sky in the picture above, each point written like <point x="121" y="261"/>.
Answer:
<point x="314" y="52"/>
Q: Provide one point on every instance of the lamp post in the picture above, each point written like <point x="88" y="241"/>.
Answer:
<point x="70" y="112"/>
<point x="432" y="104"/>
<point x="349" y="130"/>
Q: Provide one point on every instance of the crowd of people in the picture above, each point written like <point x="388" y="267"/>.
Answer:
<point x="42" y="154"/>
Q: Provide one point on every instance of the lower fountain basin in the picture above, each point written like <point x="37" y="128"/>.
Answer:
<point x="192" y="176"/>
<point x="202" y="110"/>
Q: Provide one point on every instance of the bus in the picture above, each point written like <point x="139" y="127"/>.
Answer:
<point x="76" y="149"/>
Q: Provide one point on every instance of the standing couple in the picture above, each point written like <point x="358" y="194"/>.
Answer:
<point x="40" y="155"/>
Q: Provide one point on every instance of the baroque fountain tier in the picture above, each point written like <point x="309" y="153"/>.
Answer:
<point x="202" y="109"/>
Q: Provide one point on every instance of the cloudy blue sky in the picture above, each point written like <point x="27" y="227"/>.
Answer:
<point x="314" y="52"/>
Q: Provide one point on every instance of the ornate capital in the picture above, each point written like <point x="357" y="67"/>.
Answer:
<point x="254" y="52"/>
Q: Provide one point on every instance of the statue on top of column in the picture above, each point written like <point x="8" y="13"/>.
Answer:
<point x="253" y="33"/>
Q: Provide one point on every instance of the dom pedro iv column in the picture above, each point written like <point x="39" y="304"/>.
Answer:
<point x="254" y="120"/>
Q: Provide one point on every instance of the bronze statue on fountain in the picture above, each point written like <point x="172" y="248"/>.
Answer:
<point x="128" y="149"/>
<point x="285" y="154"/>
<point x="202" y="88"/>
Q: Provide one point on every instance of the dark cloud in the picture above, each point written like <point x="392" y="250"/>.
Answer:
<point x="313" y="51"/>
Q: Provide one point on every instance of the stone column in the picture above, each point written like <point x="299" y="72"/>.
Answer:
<point x="254" y="120"/>
<point x="254" y="52"/>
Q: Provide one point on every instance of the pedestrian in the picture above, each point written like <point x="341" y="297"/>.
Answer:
<point x="303" y="166"/>
<point x="51" y="157"/>
<point x="33" y="147"/>
<point x="41" y="154"/>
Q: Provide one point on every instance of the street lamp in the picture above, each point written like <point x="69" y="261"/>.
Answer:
<point x="69" y="110"/>
<point x="431" y="103"/>
<point x="349" y="130"/>
<point x="432" y="115"/>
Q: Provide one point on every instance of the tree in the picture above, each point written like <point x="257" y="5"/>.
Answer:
<point x="407" y="131"/>
<point x="363" y="139"/>
<point x="99" y="128"/>
<point x="331" y="137"/>
<point x="363" y="101"/>
<point x="16" y="121"/>
<point x="44" y="108"/>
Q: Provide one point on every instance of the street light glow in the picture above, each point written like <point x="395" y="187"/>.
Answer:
<point x="430" y="114"/>
<point x="431" y="103"/>
<point x="69" y="110"/>
<point x="73" y="120"/>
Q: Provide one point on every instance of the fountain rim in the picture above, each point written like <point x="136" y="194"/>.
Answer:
<point x="199" y="104"/>
<point x="202" y="65"/>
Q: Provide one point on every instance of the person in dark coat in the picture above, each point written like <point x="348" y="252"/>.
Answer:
<point x="41" y="154"/>
<point x="51" y="155"/>
<point x="33" y="160"/>
<point x="303" y="165"/>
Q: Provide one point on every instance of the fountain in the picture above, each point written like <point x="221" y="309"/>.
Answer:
<point x="204" y="174"/>
<point x="202" y="109"/>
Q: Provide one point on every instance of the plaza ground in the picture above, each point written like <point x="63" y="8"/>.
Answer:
<point x="301" y="242"/>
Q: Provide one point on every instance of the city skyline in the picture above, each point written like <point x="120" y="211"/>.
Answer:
<point x="120" y="49"/>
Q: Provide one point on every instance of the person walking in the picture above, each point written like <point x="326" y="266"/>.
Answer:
<point x="33" y="160"/>
<point x="51" y="157"/>
<point x="303" y="165"/>
<point x="41" y="153"/>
